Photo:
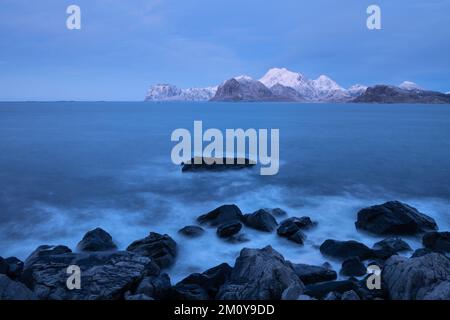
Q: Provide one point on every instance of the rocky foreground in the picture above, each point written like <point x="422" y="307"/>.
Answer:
<point x="258" y="274"/>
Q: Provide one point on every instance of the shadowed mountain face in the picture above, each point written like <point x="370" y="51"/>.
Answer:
<point x="391" y="94"/>
<point x="243" y="89"/>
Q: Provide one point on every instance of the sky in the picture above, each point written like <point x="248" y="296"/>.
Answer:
<point x="123" y="47"/>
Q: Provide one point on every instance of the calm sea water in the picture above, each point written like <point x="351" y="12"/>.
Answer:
<point x="66" y="168"/>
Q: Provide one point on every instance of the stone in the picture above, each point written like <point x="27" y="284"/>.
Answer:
<point x="437" y="241"/>
<point x="156" y="287"/>
<point x="96" y="240"/>
<point x="345" y="249"/>
<point x="353" y="267"/>
<point x="309" y="274"/>
<point x="221" y="215"/>
<point x="321" y="290"/>
<point x="350" y="295"/>
<point x="13" y="290"/>
<point x="229" y="229"/>
<point x="192" y="231"/>
<point x="161" y="248"/>
<point x="261" y="220"/>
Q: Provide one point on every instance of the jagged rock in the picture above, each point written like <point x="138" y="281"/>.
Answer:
<point x="96" y="240"/>
<point x="156" y="287"/>
<point x="293" y="292"/>
<point x="261" y="220"/>
<point x="12" y="290"/>
<point x="4" y="266"/>
<point x="229" y="229"/>
<point x="386" y="248"/>
<point x="312" y="274"/>
<point x="350" y="295"/>
<point x="298" y="237"/>
<point x="14" y="267"/>
<point x="202" y="286"/>
<point x="394" y="218"/>
<point x="437" y="241"/>
<point x="422" y="278"/>
<point x="221" y="215"/>
<point x="104" y="275"/>
<point x="353" y="267"/>
<point x="258" y="275"/>
<point x="345" y="249"/>
<point x="292" y="228"/>
<point x="320" y="290"/>
<point x="192" y="231"/>
<point x="161" y="248"/>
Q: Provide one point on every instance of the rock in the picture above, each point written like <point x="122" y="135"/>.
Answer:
<point x="276" y="212"/>
<point x="237" y="239"/>
<point x="353" y="267"/>
<point x="437" y="241"/>
<point x="161" y="248"/>
<point x="12" y="290"/>
<point x="293" y="292"/>
<point x="345" y="249"/>
<point x="261" y="220"/>
<point x="298" y="237"/>
<point x="137" y="297"/>
<point x="350" y="295"/>
<point x="291" y="228"/>
<point x="96" y="240"/>
<point x="421" y="252"/>
<point x="386" y="248"/>
<point x="12" y="267"/>
<point x="104" y="275"/>
<point x="320" y="290"/>
<point x="332" y="296"/>
<point x="202" y="286"/>
<point x="221" y="215"/>
<point x="4" y="267"/>
<point x="192" y="231"/>
<point x="229" y="229"/>
<point x="156" y="287"/>
<point x="258" y="275"/>
<point x="422" y="278"/>
<point x="217" y="165"/>
<point x="312" y="274"/>
<point x="305" y="297"/>
<point x="394" y="218"/>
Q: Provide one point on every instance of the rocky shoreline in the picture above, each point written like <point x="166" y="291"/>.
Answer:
<point x="258" y="274"/>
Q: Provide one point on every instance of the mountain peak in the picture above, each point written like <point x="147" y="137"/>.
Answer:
<point x="408" y="85"/>
<point x="282" y="76"/>
<point x="243" y="78"/>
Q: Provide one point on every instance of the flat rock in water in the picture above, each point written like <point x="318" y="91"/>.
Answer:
<point x="214" y="164"/>
<point x="394" y="218"/>
<point x="345" y="249"/>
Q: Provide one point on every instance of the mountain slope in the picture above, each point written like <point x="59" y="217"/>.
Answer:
<point x="392" y="94"/>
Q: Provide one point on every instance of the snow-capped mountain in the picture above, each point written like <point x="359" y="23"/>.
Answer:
<point x="410" y="86"/>
<point x="168" y="92"/>
<point x="356" y="90"/>
<point x="289" y="79"/>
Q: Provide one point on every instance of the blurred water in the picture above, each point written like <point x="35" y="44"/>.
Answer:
<point x="66" y="168"/>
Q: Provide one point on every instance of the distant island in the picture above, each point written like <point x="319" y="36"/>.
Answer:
<point x="282" y="85"/>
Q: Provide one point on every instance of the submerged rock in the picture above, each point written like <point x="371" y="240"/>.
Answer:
<point x="96" y="240"/>
<point x="437" y="241"/>
<point x="229" y="229"/>
<point x="422" y="278"/>
<point x="221" y="215"/>
<point x="259" y="275"/>
<point x="192" y="231"/>
<point x="292" y="228"/>
<point x="345" y="249"/>
<point x="394" y="218"/>
<point x="161" y="248"/>
<point x="261" y="220"/>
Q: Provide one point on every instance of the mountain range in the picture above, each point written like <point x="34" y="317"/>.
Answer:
<point x="280" y="84"/>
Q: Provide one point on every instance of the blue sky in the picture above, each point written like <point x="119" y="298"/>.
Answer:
<point x="125" y="46"/>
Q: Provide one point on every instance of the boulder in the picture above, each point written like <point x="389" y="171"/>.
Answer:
<point x="422" y="278"/>
<point x="156" y="287"/>
<point x="345" y="249"/>
<point x="12" y="290"/>
<point x="161" y="248"/>
<point x="276" y="212"/>
<point x="350" y="295"/>
<point x="221" y="215"/>
<point x="293" y="292"/>
<point x="298" y="237"/>
<point x="202" y="286"/>
<point x="229" y="229"/>
<point x="259" y="274"/>
<point x="292" y="228"/>
<point x="309" y="274"/>
<point x="353" y="267"/>
<point x="421" y="252"/>
<point x="14" y="266"/>
<point x="261" y="220"/>
<point x="437" y="241"/>
<point x="388" y="247"/>
<point x="96" y="240"/>
<point x="104" y="275"/>
<point x="4" y="267"/>
<point x="321" y="290"/>
<point x="394" y="218"/>
<point x="192" y="231"/>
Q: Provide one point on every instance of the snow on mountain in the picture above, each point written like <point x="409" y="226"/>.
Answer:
<point x="410" y="86"/>
<point x="168" y="92"/>
<point x="290" y="79"/>
<point x="356" y="90"/>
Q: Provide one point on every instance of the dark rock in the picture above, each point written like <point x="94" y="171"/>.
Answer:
<point x="293" y="292"/>
<point x="15" y="267"/>
<point x="350" y="295"/>
<point x="221" y="215"/>
<point x="320" y="290"/>
<point x="161" y="248"/>
<point x="156" y="287"/>
<point x="392" y="94"/>
<point x="261" y="220"/>
<point x="96" y="240"/>
<point x="237" y="239"/>
<point x="353" y="267"/>
<point x="12" y="290"/>
<point x="258" y="275"/>
<point x="437" y="241"/>
<point x="137" y="297"/>
<point x="276" y="212"/>
<point x="217" y="165"/>
<point x="394" y="218"/>
<point x="192" y="231"/>
<point x="312" y="274"/>
<point x="4" y="267"/>
<point x="202" y="286"/>
<point x="388" y="247"/>
<point x="298" y="237"/>
<point x="421" y="252"/>
<point x="332" y="296"/>
<point x="104" y="275"/>
<point x="229" y="229"/>
<point x="291" y="228"/>
<point x="345" y="249"/>
<point x="422" y="278"/>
